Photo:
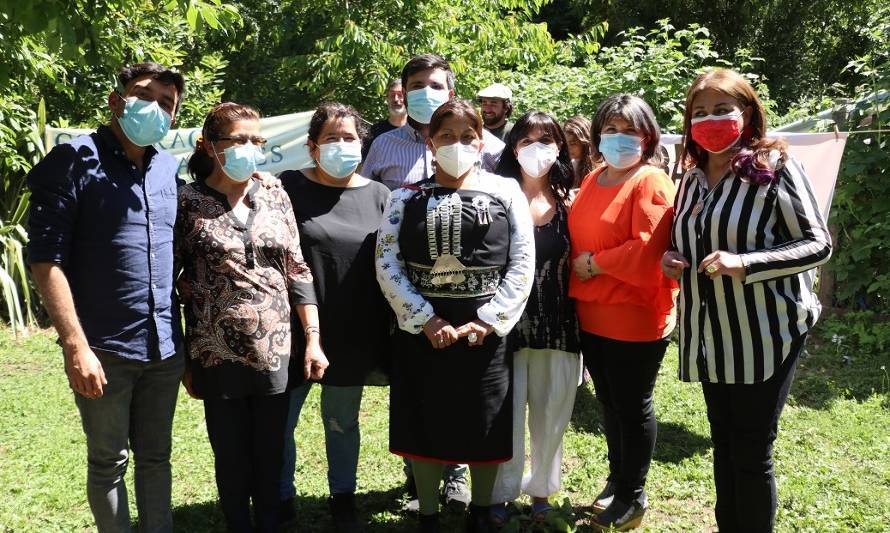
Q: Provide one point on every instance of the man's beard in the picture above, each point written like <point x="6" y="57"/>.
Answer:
<point x="492" y="120"/>
<point x="401" y="110"/>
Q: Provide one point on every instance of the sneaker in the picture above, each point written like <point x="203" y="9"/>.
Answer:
<point x="288" y="513"/>
<point x="343" y="512"/>
<point x="605" y="498"/>
<point x="428" y="523"/>
<point x="621" y="516"/>
<point x="479" y="519"/>
<point x="456" y="494"/>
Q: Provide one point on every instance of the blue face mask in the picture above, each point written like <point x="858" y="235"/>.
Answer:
<point x="422" y="103"/>
<point x="339" y="159"/>
<point x="144" y="122"/>
<point x="241" y="161"/>
<point x="621" y="150"/>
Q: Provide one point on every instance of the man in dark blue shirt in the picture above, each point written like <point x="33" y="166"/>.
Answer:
<point x="101" y="254"/>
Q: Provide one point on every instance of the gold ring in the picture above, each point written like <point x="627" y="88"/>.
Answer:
<point x="711" y="268"/>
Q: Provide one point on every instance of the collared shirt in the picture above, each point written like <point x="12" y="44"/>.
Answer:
<point x="401" y="157"/>
<point x="110" y="227"/>
<point x="376" y="130"/>
<point x="740" y="331"/>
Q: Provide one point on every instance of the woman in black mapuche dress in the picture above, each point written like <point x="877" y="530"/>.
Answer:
<point x="455" y="260"/>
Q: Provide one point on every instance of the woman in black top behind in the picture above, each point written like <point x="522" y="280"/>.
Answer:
<point x="338" y="213"/>
<point x="546" y="364"/>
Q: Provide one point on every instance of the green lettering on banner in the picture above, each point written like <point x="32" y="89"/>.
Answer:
<point x="277" y="156"/>
<point x="287" y="152"/>
<point x="177" y="137"/>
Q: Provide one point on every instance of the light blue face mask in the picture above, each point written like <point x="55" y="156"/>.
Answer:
<point x="144" y="122"/>
<point x="422" y="103"/>
<point x="241" y="161"/>
<point x="621" y="150"/>
<point x="339" y="159"/>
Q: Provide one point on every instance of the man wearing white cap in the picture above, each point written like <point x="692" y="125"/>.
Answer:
<point x="496" y="109"/>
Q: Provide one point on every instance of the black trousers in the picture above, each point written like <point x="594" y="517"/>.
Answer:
<point x="247" y="437"/>
<point x="744" y="422"/>
<point x="624" y="375"/>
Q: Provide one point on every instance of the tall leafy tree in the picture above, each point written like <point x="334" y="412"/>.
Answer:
<point x="348" y="51"/>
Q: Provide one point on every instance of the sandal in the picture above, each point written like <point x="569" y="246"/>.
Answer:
<point x="540" y="510"/>
<point x="498" y="515"/>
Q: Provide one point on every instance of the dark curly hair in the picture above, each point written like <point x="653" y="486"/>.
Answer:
<point x="332" y="111"/>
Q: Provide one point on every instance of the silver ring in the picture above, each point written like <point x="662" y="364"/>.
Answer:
<point x="472" y="337"/>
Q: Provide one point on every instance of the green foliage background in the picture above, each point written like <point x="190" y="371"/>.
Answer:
<point x="58" y="59"/>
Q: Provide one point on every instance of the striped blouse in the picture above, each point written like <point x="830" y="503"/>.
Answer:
<point x="734" y="331"/>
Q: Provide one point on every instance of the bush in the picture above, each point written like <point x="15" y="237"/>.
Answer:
<point x="861" y="208"/>
<point x="59" y="58"/>
<point x="657" y="65"/>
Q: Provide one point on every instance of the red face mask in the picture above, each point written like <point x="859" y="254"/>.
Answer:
<point x="716" y="133"/>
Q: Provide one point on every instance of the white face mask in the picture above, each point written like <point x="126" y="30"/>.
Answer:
<point x="456" y="159"/>
<point x="536" y="159"/>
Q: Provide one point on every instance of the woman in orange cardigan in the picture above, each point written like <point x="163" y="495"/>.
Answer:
<point x="619" y="226"/>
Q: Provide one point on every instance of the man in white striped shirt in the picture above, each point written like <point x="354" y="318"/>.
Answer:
<point x="401" y="157"/>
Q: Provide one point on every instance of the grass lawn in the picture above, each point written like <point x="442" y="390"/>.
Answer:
<point x="833" y="466"/>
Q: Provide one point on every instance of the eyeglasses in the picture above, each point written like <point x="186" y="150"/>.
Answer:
<point x="244" y="139"/>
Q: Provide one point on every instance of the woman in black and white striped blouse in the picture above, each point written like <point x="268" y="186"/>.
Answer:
<point x="747" y="235"/>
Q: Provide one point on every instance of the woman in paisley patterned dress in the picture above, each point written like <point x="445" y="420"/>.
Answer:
<point x="455" y="260"/>
<point x="243" y="275"/>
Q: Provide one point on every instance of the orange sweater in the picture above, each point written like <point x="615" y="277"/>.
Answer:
<point x="627" y="227"/>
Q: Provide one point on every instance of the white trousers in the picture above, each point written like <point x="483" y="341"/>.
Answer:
<point x="545" y="381"/>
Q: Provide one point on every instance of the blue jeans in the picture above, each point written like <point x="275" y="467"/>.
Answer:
<point x="339" y="413"/>
<point x="135" y="412"/>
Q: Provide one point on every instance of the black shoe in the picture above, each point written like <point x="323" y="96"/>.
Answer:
<point x="622" y="516"/>
<point x="343" y="512"/>
<point x="288" y="513"/>
<point x="602" y="501"/>
<point x="428" y="523"/>
<point x="479" y="519"/>
<point x="456" y="494"/>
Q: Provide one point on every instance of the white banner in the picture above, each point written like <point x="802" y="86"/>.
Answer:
<point x="285" y="149"/>
<point x="819" y="153"/>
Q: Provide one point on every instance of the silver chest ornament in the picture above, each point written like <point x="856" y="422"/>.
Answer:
<point x="447" y="268"/>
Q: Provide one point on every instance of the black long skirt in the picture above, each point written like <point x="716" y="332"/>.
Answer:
<point x="451" y="405"/>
